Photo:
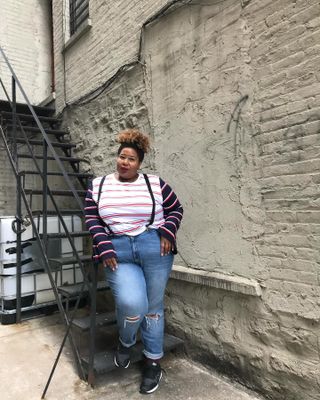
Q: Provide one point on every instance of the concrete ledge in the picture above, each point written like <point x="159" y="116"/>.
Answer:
<point x="217" y="280"/>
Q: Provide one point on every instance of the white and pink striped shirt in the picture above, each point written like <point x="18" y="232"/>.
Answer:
<point x="126" y="206"/>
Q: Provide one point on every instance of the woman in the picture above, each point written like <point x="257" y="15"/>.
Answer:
<point x="133" y="219"/>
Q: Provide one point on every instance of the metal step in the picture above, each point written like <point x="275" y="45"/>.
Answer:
<point x="39" y="157"/>
<point x="70" y="260"/>
<point x="62" y="212"/>
<point x="103" y="361"/>
<point x="62" y="235"/>
<point x="6" y="115"/>
<point x="40" y="143"/>
<point x="33" y="129"/>
<point x="57" y="173"/>
<point x="75" y="290"/>
<point x="55" y="192"/>
<point x="23" y="108"/>
<point x="102" y="320"/>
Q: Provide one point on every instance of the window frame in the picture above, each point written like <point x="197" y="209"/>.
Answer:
<point x="78" y="15"/>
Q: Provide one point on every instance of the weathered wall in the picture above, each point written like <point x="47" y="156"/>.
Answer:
<point x="111" y="42"/>
<point x="25" y="36"/>
<point x="94" y="125"/>
<point x="230" y="92"/>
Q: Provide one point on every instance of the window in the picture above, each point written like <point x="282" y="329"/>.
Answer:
<point x="79" y="13"/>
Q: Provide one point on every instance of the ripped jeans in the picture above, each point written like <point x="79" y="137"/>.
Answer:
<point x="138" y="287"/>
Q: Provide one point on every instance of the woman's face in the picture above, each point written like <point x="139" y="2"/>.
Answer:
<point x="128" y="164"/>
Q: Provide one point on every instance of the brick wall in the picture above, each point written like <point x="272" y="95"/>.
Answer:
<point x="230" y="91"/>
<point x="25" y="37"/>
<point x="287" y="105"/>
<point x="112" y="41"/>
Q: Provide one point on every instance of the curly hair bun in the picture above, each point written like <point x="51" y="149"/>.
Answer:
<point x="136" y="138"/>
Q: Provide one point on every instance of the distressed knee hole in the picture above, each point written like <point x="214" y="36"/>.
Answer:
<point x="153" y="316"/>
<point x="133" y="319"/>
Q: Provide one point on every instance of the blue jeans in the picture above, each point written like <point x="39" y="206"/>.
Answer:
<point x="138" y="286"/>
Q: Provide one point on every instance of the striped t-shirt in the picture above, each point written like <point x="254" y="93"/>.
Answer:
<point x="126" y="207"/>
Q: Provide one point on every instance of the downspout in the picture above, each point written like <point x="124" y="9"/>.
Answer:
<point x="53" y="83"/>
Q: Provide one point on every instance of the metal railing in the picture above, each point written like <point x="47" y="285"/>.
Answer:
<point x="43" y="239"/>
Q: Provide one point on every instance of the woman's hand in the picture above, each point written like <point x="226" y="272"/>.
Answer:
<point x="110" y="263"/>
<point x="165" y="246"/>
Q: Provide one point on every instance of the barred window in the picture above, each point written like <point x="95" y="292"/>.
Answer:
<point x="79" y="13"/>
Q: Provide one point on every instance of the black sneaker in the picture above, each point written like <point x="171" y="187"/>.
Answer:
<point x="122" y="356"/>
<point x="151" y="376"/>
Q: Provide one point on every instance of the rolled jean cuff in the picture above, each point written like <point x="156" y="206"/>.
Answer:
<point x="152" y="356"/>
<point x="125" y="344"/>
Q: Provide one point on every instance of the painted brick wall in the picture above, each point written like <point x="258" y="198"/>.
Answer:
<point x="112" y="41"/>
<point x="25" y="36"/>
<point x="231" y="93"/>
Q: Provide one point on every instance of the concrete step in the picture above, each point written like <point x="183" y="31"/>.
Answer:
<point x="103" y="361"/>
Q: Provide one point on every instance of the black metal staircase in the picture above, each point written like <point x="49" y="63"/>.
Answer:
<point x="49" y="183"/>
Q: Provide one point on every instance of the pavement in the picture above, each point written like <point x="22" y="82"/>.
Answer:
<point x="28" y="351"/>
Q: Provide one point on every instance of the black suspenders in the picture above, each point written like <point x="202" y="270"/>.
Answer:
<point x="152" y="198"/>
<point x="99" y="195"/>
<point x="151" y="195"/>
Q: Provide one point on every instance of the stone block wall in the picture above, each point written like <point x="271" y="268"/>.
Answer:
<point x="229" y="91"/>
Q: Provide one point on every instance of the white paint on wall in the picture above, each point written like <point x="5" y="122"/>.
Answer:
<point x="25" y="36"/>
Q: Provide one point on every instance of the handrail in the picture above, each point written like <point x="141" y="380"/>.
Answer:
<point x="43" y="253"/>
<point x="45" y="136"/>
<point x="50" y="195"/>
<point x="47" y="191"/>
<point x="42" y="243"/>
<point x="47" y="140"/>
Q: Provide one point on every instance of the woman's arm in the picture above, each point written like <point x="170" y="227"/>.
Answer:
<point x="173" y="212"/>
<point x="102" y="245"/>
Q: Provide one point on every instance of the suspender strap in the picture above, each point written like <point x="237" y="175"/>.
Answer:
<point x="151" y="195"/>
<point x="152" y="198"/>
<point x="99" y="195"/>
<point x="100" y="189"/>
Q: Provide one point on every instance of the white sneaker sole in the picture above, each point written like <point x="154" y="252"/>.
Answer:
<point x="153" y="389"/>
<point x="117" y="365"/>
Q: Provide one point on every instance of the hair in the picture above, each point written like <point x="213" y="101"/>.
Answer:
<point x="134" y="139"/>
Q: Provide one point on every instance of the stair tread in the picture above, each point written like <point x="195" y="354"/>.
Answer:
<point x="55" y="192"/>
<point x="63" y="234"/>
<point x="62" y="211"/>
<point x="70" y="260"/>
<point x="40" y="143"/>
<point x="58" y="173"/>
<point x="40" y="157"/>
<point x="103" y="361"/>
<point x="29" y="117"/>
<point x="103" y="319"/>
<point x="23" y="108"/>
<point x="35" y="129"/>
<point x="74" y="290"/>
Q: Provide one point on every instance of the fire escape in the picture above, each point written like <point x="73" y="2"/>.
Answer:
<point x="51" y="211"/>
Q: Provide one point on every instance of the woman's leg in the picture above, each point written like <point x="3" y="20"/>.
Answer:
<point x="156" y="270"/>
<point x="128" y="287"/>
